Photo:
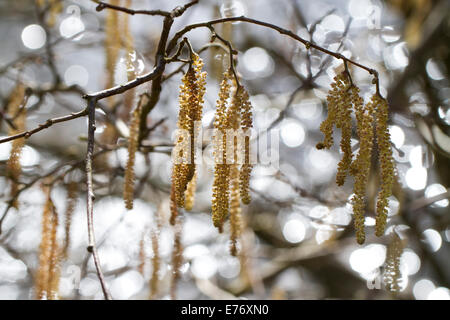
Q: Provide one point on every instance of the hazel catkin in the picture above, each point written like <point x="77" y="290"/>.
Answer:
<point x="133" y="144"/>
<point x="392" y="274"/>
<point x="191" y="101"/>
<point x="386" y="163"/>
<point x="246" y="168"/>
<point x="361" y="165"/>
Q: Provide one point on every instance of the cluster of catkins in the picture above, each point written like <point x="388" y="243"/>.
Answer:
<point x="371" y="124"/>
<point x="232" y="170"/>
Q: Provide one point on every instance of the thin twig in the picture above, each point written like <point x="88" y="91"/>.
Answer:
<point x="90" y="197"/>
<point x="103" y="5"/>
<point x="283" y="31"/>
<point x="48" y="123"/>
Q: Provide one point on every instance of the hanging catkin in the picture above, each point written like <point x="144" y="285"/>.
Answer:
<point x="112" y="42"/>
<point x="361" y="165"/>
<point x="387" y="169"/>
<point x="133" y="143"/>
<point x="191" y="101"/>
<point x="47" y="278"/>
<point x="392" y="274"/>
<point x="17" y="112"/>
<point x="72" y="189"/>
<point x="220" y="200"/>
<point x="234" y="122"/>
<point x="246" y="168"/>
<point x="156" y="264"/>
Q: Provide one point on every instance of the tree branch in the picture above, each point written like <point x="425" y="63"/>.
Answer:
<point x="90" y="197"/>
<point x="48" y="123"/>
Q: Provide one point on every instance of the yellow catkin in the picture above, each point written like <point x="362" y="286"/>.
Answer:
<point x="133" y="143"/>
<point x="344" y="122"/>
<point x="72" y="189"/>
<point x="361" y="165"/>
<point x="387" y="169"/>
<point x="189" y="194"/>
<point x="17" y="112"/>
<point x="47" y="278"/>
<point x="191" y="102"/>
<point x="220" y="197"/>
<point x="177" y="258"/>
<point x="235" y="211"/>
<point x="112" y="42"/>
<point x="234" y="123"/>
<point x="392" y="274"/>
<point x="156" y="264"/>
<point x="127" y="43"/>
<point x="246" y="168"/>
<point x="335" y="103"/>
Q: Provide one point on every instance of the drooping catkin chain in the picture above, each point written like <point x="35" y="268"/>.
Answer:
<point x="387" y="169"/>
<point x="48" y="274"/>
<point x="133" y="144"/>
<point x="156" y="264"/>
<point x="17" y="112"/>
<point x="156" y="254"/>
<point x="220" y="197"/>
<point x="344" y="122"/>
<point x="392" y="274"/>
<point x="234" y="123"/>
<point x="112" y="42"/>
<point x="361" y="165"/>
<point x="246" y="168"/>
<point x="191" y="101"/>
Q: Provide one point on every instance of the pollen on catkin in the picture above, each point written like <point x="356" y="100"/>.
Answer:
<point x="47" y="278"/>
<point x="191" y="102"/>
<point x="220" y="197"/>
<point x="386" y="161"/>
<point x="18" y="113"/>
<point x="392" y="274"/>
<point x="361" y="165"/>
<point x="133" y="144"/>
<point x="336" y="100"/>
<point x="235" y="211"/>
<point x="156" y="264"/>
<point x="189" y="194"/>
<point x="246" y="168"/>
<point x="344" y="122"/>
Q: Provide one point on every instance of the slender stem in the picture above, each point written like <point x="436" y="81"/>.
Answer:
<point x="48" y="123"/>
<point x="129" y="85"/>
<point x="90" y="197"/>
<point x="283" y="31"/>
<point x="103" y="5"/>
<point x="232" y="52"/>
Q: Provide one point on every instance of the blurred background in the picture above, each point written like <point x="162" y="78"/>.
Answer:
<point x="299" y="241"/>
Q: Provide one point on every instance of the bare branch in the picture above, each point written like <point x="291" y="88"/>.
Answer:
<point x="90" y="197"/>
<point x="48" y="123"/>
